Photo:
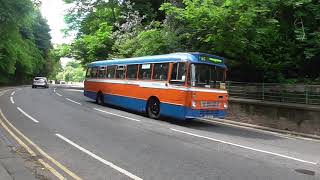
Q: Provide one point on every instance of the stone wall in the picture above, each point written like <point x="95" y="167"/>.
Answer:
<point x="292" y="117"/>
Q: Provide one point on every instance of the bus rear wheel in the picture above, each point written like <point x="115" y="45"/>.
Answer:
<point x="100" y="99"/>
<point x="153" y="108"/>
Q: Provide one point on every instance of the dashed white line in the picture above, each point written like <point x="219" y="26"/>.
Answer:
<point x="54" y="89"/>
<point x="245" y="147"/>
<point x="117" y="115"/>
<point x="73" y="101"/>
<point x="11" y="99"/>
<point x="12" y="94"/>
<point x="76" y="90"/>
<point x="58" y="94"/>
<point x="110" y="164"/>
<point x="34" y="120"/>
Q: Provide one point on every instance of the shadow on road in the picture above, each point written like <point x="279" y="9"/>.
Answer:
<point x="223" y="129"/>
<point x="208" y="127"/>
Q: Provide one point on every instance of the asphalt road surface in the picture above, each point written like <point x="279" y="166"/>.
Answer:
<point x="100" y="142"/>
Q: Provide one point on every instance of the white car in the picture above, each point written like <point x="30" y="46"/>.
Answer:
<point x="40" y="81"/>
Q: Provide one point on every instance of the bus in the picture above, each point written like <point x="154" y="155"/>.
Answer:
<point x="178" y="85"/>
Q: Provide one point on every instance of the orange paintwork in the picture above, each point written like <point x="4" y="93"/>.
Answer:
<point x="170" y="96"/>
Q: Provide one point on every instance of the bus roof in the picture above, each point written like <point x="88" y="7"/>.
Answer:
<point x="193" y="57"/>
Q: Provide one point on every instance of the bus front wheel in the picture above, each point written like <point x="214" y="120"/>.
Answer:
<point x="153" y="108"/>
<point x="100" y="99"/>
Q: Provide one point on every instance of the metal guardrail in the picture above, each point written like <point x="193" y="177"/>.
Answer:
<point x="286" y="93"/>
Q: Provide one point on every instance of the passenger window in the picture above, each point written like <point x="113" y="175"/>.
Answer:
<point x="94" y="72"/>
<point x="121" y="70"/>
<point x="88" y="73"/>
<point x="132" y="71"/>
<point x="145" y="71"/>
<point x="102" y="72"/>
<point x="111" y="70"/>
<point x="160" y="71"/>
<point x="178" y="73"/>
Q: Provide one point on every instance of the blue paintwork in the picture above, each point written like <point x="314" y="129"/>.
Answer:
<point x="90" y="94"/>
<point x="192" y="113"/>
<point x="174" y="57"/>
<point x="125" y="102"/>
<point x="175" y="111"/>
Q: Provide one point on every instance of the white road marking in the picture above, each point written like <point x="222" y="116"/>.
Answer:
<point x="12" y="94"/>
<point x="245" y="147"/>
<point x="123" y="171"/>
<point x="58" y="94"/>
<point x="250" y="128"/>
<point x="77" y="90"/>
<point x="11" y="99"/>
<point x="54" y="89"/>
<point x="73" y="101"/>
<point x="4" y="91"/>
<point x="117" y="115"/>
<point x="34" y="120"/>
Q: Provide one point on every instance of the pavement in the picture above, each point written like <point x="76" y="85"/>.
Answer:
<point x="77" y="139"/>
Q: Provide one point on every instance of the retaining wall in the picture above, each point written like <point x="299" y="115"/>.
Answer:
<point x="284" y="116"/>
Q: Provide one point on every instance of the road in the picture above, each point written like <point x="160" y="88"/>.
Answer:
<point x="83" y="140"/>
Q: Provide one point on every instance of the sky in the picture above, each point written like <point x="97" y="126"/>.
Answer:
<point x="53" y="11"/>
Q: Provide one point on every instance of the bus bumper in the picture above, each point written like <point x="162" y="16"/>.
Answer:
<point x="195" y="113"/>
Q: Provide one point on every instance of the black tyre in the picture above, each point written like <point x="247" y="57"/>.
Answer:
<point x="100" y="99"/>
<point x="153" y="108"/>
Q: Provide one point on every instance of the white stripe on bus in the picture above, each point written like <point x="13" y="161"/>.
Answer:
<point x="156" y="85"/>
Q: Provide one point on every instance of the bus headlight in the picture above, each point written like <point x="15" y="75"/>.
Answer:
<point x="193" y="104"/>
<point x="225" y="105"/>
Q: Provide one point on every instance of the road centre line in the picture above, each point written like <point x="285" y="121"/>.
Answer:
<point x="73" y="101"/>
<point x="12" y="94"/>
<point x="58" y="94"/>
<point x="34" y="120"/>
<point x="110" y="164"/>
<point x="11" y="99"/>
<point x="245" y="147"/>
<point x="117" y="115"/>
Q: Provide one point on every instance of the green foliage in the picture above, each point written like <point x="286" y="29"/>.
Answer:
<point x="73" y="72"/>
<point x="24" y="42"/>
<point x="272" y="37"/>
<point x="274" y="40"/>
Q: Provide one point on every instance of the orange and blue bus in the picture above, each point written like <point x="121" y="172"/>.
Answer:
<point x="177" y="85"/>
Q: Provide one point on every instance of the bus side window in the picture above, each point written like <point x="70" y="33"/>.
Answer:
<point x="121" y="70"/>
<point x="88" y="74"/>
<point x="102" y="72"/>
<point x="160" y="71"/>
<point x="94" y="72"/>
<point x="178" y="73"/>
<point x="145" y="71"/>
<point x="132" y="71"/>
<point x="111" y="70"/>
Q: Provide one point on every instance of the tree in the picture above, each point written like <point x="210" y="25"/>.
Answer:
<point x="270" y="37"/>
<point x="271" y="41"/>
<point x="72" y="72"/>
<point x="24" y="41"/>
